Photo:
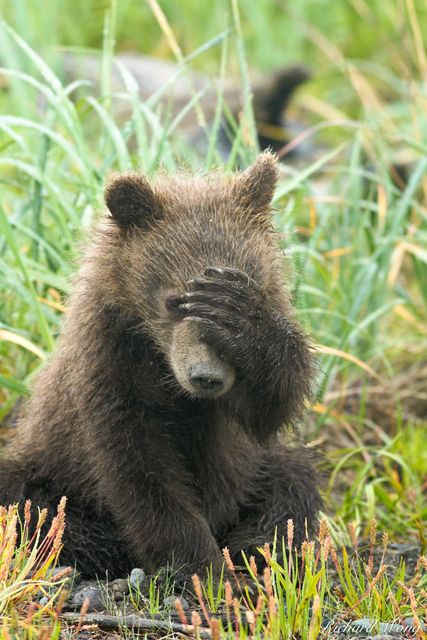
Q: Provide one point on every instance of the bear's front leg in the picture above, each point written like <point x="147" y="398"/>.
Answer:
<point x="266" y="347"/>
<point x="285" y="486"/>
<point x="156" y="513"/>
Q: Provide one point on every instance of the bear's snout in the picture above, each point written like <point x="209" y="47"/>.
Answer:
<point x="196" y="366"/>
<point x="206" y="378"/>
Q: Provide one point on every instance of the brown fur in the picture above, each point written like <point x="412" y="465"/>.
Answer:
<point x="187" y="271"/>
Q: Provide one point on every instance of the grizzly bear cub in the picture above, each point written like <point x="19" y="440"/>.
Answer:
<point x="179" y="362"/>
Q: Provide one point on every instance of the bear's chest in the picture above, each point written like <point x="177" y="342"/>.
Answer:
<point x="220" y="460"/>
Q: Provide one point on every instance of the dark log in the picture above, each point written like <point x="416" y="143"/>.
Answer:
<point x="135" y="623"/>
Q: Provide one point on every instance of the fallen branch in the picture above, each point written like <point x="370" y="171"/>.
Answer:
<point x="134" y="623"/>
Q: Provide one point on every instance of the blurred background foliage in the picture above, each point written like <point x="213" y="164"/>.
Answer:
<point x="356" y="235"/>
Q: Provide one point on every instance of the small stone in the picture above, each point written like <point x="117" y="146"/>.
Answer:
<point x="43" y="601"/>
<point x="92" y="594"/>
<point x="119" y="588"/>
<point x="374" y="630"/>
<point x="169" y="602"/>
<point x="410" y="622"/>
<point x="137" y="579"/>
<point x="364" y="624"/>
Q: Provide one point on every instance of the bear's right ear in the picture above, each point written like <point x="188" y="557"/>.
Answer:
<point x="131" y="201"/>
<point x="254" y="187"/>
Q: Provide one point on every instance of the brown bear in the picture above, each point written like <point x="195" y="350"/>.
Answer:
<point x="179" y="363"/>
<point x="162" y="82"/>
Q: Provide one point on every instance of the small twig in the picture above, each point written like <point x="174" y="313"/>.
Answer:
<point x="133" y="622"/>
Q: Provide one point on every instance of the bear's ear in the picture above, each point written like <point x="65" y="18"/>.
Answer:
<point x="254" y="188"/>
<point x="131" y="201"/>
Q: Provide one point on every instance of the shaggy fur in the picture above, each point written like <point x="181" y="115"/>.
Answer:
<point x="152" y="471"/>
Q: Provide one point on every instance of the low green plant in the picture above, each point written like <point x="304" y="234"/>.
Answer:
<point x="307" y="592"/>
<point x="366" y="588"/>
<point x="31" y="595"/>
<point x="385" y="482"/>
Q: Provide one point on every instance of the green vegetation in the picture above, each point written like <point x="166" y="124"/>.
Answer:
<point x="356" y="237"/>
<point x="31" y="593"/>
<point x="300" y="594"/>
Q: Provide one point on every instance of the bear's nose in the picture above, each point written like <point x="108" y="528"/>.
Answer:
<point x="202" y="378"/>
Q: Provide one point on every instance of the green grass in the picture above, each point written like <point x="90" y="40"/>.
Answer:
<point x="357" y="242"/>
<point x="27" y="560"/>
<point x="305" y="593"/>
<point x="383" y="482"/>
<point x="298" y="594"/>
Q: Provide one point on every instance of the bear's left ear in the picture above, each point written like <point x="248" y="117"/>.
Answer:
<point x="254" y="187"/>
<point x="131" y="201"/>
